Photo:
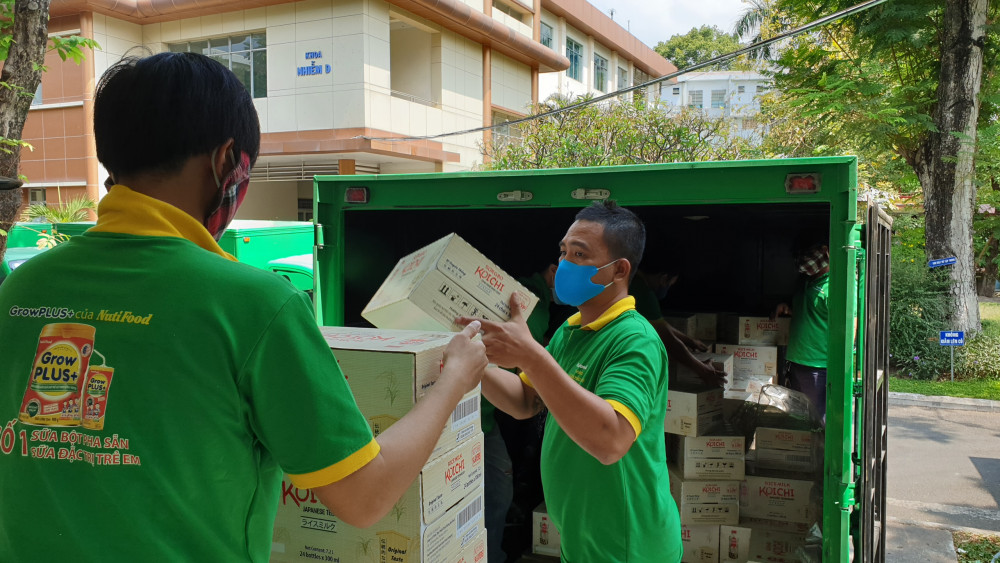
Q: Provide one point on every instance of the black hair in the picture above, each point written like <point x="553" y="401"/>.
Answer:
<point x="153" y="113"/>
<point x="624" y="232"/>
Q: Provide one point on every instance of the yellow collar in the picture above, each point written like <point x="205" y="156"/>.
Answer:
<point x="613" y="312"/>
<point x="130" y="212"/>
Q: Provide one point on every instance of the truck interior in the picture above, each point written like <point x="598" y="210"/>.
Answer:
<point x="728" y="258"/>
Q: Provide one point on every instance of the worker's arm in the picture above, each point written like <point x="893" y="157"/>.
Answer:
<point x="680" y="353"/>
<point x="589" y="420"/>
<point x="366" y="495"/>
<point x="508" y="393"/>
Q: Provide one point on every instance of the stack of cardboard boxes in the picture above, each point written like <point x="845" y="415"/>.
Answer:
<point x="740" y="502"/>
<point x="440" y="518"/>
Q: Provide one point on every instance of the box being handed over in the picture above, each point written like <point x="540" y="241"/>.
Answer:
<point x="388" y="371"/>
<point x="449" y="278"/>
<point x="751" y="360"/>
<point x="304" y="527"/>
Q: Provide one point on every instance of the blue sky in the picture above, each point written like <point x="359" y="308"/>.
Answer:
<point x="653" y="21"/>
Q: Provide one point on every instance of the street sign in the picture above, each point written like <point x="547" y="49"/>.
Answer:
<point x="942" y="262"/>
<point x="952" y="338"/>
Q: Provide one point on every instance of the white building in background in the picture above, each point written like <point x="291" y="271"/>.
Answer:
<point x="334" y="81"/>
<point x="733" y="94"/>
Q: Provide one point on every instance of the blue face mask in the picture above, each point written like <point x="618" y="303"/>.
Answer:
<point x="573" y="285"/>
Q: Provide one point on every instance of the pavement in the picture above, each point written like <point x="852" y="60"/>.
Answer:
<point x="920" y="530"/>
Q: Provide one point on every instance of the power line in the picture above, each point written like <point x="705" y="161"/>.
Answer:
<point x="710" y="62"/>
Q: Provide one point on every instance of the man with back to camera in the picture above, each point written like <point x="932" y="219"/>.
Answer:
<point x="808" y="332"/>
<point x="211" y="376"/>
<point x="603" y="378"/>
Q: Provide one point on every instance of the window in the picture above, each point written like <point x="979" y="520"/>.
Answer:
<point x="245" y="55"/>
<point x="718" y="98"/>
<point x="574" y="52"/>
<point x="749" y="123"/>
<point x="695" y="99"/>
<point x="506" y="133"/>
<point x="37" y="100"/>
<point x="677" y="90"/>
<point x="36" y="196"/>
<point x="545" y="38"/>
<point x="305" y="209"/>
<point x="509" y="10"/>
<point x="622" y="78"/>
<point x="640" y="77"/>
<point x="760" y="89"/>
<point x="600" y="73"/>
<point x="741" y="89"/>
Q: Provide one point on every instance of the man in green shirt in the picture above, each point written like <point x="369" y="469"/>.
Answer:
<point x="808" y="333"/>
<point x="603" y="378"/>
<point x="153" y="389"/>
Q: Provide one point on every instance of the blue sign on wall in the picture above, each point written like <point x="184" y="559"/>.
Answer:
<point x="942" y="262"/>
<point x="314" y="67"/>
<point x="952" y="338"/>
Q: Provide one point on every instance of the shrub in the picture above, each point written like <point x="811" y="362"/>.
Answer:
<point x="979" y="357"/>
<point x="919" y="306"/>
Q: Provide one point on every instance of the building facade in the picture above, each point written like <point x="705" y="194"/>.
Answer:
<point x="734" y="95"/>
<point x="340" y="86"/>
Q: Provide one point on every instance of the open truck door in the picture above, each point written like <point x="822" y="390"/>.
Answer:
<point x="871" y="394"/>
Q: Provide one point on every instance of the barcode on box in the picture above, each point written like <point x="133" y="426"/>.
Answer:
<point x="469" y="515"/>
<point x="466" y="412"/>
<point x="800" y="458"/>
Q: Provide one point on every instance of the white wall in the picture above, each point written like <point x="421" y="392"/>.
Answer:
<point x="510" y="83"/>
<point x="273" y="201"/>
<point x="115" y="38"/>
<point x="410" y="63"/>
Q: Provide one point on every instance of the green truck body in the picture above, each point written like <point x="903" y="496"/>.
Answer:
<point x="726" y="227"/>
<point x="27" y="234"/>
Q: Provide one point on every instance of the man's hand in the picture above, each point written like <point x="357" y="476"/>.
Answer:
<point x="466" y="358"/>
<point x="710" y="375"/>
<point x="782" y="310"/>
<point x="506" y="342"/>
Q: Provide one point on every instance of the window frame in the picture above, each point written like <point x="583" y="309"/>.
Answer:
<point x="575" y="56"/>
<point x="551" y="35"/>
<point x="600" y="73"/>
<point x="255" y="52"/>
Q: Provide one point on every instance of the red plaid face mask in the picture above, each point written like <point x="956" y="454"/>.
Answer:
<point x="812" y="262"/>
<point x="234" y="189"/>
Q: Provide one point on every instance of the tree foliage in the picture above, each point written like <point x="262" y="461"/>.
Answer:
<point x="698" y="45"/>
<point x="620" y="132"/>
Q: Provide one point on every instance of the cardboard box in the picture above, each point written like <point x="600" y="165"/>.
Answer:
<point x="449" y="278"/>
<point x="544" y="535"/>
<point x="388" y="371"/>
<point x="775" y="546"/>
<point x="305" y="531"/>
<point x="701" y="544"/>
<point x="732" y="401"/>
<point x="774" y="498"/>
<point x="783" y="439"/>
<point x="693" y="412"/>
<point x="703" y="491"/>
<point x="706" y="447"/>
<point x="475" y="552"/>
<point x="734" y="544"/>
<point x="723" y="362"/>
<point x="727" y="469"/>
<point x="756" y="331"/>
<point x="705" y="502"/>
<point x="688" y="324"/>
<point x="707" y="324"/>
<point x="751" y="360"/>
<point x="787" y="460"/>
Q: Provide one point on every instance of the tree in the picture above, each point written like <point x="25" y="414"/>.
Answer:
<point x="902" y="78"/>
<point x="620" y="132"/>
<point x="698" y="45"/>
<point x="23" y="43"/>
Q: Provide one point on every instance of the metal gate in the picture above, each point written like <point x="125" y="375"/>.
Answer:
<point x="872" y="391"/>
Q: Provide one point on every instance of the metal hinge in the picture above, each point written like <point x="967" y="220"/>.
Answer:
<point x="318" y="235"/>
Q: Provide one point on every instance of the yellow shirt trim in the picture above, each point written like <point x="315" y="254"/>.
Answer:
<point x="338" y="470"/>
<point x="613" y="312"/>
<point x="525" y="380"/>
<point x="129" y="212"/>
<point x="628" y="414"/>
